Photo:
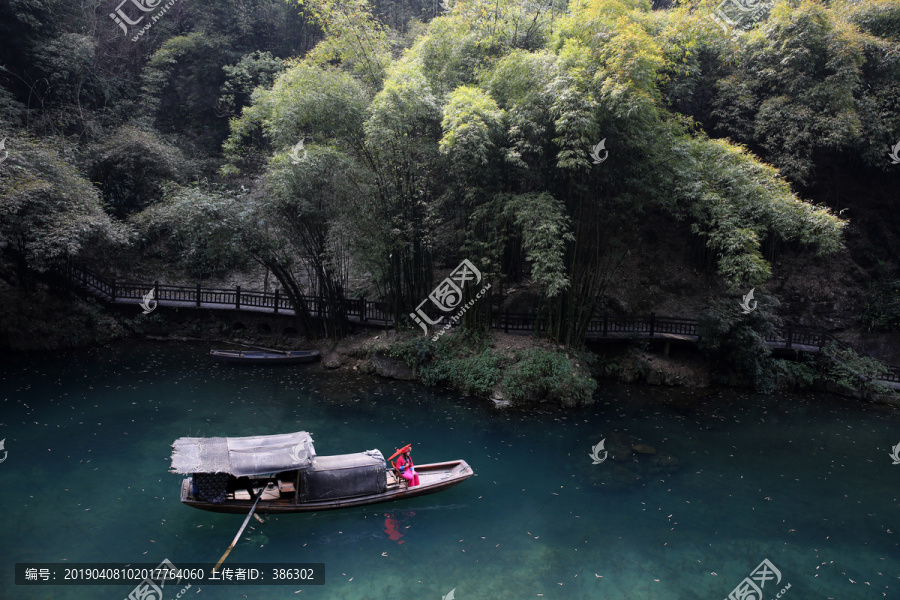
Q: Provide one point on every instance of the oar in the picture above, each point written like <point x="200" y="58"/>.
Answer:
<point x="238" y="536"/>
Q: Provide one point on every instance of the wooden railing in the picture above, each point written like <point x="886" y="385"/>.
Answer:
<point x="198" y="296"/>
<point x="380" y="313"/>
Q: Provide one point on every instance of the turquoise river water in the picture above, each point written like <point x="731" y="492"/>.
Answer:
<point x="804" y="481"/>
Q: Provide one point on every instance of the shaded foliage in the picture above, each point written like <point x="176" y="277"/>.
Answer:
<point x="132" y="166"/>
<point x="538" y="375"/>
<point x="390" y="148"/>
<point x="735" y="343"/>
<point x="48" y="211"/>
<point x="194" y="228"/>
<point x="508" y="100"/>
<point x="854" y="372"/>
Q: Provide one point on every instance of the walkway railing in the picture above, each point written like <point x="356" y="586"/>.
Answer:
<point x="205" y="297"/>
<point x="379" y="313"/>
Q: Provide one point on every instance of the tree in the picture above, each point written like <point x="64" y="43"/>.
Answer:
<point x="257" y="69"/>
<point x="793" y="92"/>
<point x="734" y="201"/>
<point x="48" y="211"/>
<point x="306" y="102"/>
<point x="212" y="231"/>
<point x="354" y="39"/>
<point x="313" y="203"/>
<point x="401" y="152"/>
<point x="131" y="168"/>
<point x="194" y="227"/>
<point x="483" y="140"/>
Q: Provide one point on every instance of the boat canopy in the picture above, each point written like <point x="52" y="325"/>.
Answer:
<point x="344" y="476"/>
<point x="240" y="456"/>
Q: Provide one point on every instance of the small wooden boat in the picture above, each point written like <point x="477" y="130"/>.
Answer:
<point x="227" y="475"/>
<point x="262" y="357"/>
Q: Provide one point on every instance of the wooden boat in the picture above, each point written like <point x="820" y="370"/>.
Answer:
<point x="291" y="478"/>
<point x="260" y="357"/>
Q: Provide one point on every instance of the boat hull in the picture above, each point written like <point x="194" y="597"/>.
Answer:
<point x="434" y="477"/>
<point x="265" y="358"/>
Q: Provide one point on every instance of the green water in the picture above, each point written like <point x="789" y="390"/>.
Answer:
<point x="805" y="481"/>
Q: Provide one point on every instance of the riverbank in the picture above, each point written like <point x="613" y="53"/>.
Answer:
<point x="510" y="371"/>
<point x="506" y="369"/>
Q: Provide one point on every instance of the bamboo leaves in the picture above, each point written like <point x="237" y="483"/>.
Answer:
<point x="471" y="120"/>
<point x="737" y="201"/>
<point x="545" y="228"/>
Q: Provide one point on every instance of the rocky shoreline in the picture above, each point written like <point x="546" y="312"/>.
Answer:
<point x="84" y="323"/>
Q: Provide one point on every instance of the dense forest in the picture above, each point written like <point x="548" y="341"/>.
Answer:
<point x="354" y="149"/>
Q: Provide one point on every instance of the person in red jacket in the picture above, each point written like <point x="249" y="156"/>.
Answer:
<point x="407" y="469"/>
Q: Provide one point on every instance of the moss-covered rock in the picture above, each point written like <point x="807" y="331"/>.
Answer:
<point x="393" y="368"/>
